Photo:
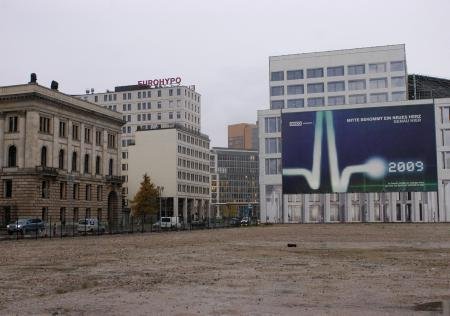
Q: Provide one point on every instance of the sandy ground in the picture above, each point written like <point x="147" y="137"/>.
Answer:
<point x="354" y="269"/>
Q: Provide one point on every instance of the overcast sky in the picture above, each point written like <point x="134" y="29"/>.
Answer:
<point x="222" y="47"/>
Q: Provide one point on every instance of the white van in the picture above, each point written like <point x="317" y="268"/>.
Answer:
<point x="170" y="222"/>
<point x="90" y="225"/>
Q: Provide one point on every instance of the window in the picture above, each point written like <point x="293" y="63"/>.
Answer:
<point x="129" y="95"/>
<point x="110" y="167"/>
<point x="87" y="135"/>
<point x="159" y="93"/>
<point x="61" y="159"/>
<point x="159" y="116"/>
<point x="44" y="156"/>
<point x="128" y="118"/>
<point x="111" y="141"/>
<point x="356" y="69"/>
<point x="295" y="103"/>
<point x="159" y="104"/>
<point x="295" y="89"/>
<point x="63" y="190"/>
<point x="336" y="100"/>
<point x="124" y="107"/>
<point x="99" y="193"/>
<point x="88" y="194"/>
<point x="272" y="124"/>
<point x="273" y="145"/>
<point x="74" y="161"/>
<point x="357" y="99"/>
<point x="7" y="191"/>
<point x="12" y="156"/>
<point x="316" y="101"/>
<point x="378" y="83"/>
<point x="295" y="74"/>
<point x="398" y="82"/>
<point x="12" y="124"/>
<point x="75" y="132"/>
<point x="314" y="73"/>
<point x="178" y="115"/>
<point x="397" y="66"/>
<point x="129" y="107"/>
<point x="378" y="97"/>
<point x="44" y="125"/>
<point x="124" y="167"/>
<point x="277" y="90"/>
<point x="336" y="86"/>
<point x="377" y="68"/>
<point x="96" y="98"/>
<point x="97" y="165"/>
<point x="273" y="166"/>
<point x="45" y="189"/>
<point x="398" y="96"/>
<point x="76" y="191"/>
<point x="139" y="95"/>
<point x="86" y="163"/>
<point x="276" y="104"/>
<point x="98" y="138"/>
<point x="178" y="91"/>
<point x="315" y="87"/>
<point x="105" y="97"/>
<point x="170" y="115"/>
<point x="277" y="76"/>
<point x="356" y="85"/>
<point x="62" y="129"/>
<point x="335" y="71"/>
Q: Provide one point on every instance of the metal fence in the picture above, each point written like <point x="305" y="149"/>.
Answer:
<point x="54" y="228"/>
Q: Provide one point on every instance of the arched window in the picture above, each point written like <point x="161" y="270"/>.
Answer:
<point x="97" y="165"/>
<point x="61" y="159"/>
<point x="74" y="161"/>
<point x="44" y="156"/>
<point x="12" y="156"/>
<point x="110" y="169"/>
<point x="86" y="163"/>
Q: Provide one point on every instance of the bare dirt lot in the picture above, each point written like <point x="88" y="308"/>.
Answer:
<point x="335" y="269"/>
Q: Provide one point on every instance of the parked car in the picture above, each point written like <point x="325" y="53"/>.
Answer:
<point x="156" y="225"/>
<point x="235" y="221"/>
<point x="24" y="226"/>
<point x="170" y="222"/>
<point x="245" y="221"/>
<point x="90" y="225"/>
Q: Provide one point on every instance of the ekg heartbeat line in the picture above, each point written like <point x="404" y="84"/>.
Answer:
<point x="374" y="168"/>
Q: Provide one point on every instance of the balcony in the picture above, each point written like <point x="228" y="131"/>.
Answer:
<point x="114" y="179"/>
<point x="47" y="171"/>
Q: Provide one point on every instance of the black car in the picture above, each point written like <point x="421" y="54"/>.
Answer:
<point x="24" y="226"/>
<point x="235" y="221"/>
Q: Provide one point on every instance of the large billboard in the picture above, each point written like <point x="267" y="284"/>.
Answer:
<point x="372" y="149"/>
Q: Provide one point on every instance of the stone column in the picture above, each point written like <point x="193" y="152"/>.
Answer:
<point x="185" y="206"/>
<point x="305" y="208"/>
<point x="327" y="208"/>
<point x="175" y="206"/>
<point x="29" y="146"/>
<point x="4" y="155"/>
<point x="53" y="151"/>
<point x="370" y="207"/>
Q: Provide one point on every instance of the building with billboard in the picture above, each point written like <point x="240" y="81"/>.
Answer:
<point x="149" y="104"/>
<point x="177" y="160"/>
<point x="343" y="79"/>
<point x="59" y="156"/>
<point x="234" y="182"/>
<point x="243" y="136"/>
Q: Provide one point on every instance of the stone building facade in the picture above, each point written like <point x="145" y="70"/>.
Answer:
<point x="59" y="157"/>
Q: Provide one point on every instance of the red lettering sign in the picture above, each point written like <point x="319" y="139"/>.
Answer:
<point x="160" y="82"/>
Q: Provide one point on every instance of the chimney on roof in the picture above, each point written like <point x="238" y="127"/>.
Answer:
<point x="33" y="78"/>
<point x="54" y="85"/>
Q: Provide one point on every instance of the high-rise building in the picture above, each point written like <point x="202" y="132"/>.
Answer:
<point x="149" y="107"/>
<point x="234" y="182"/>
<point x="59" y="155"/>
<point x="243" y="136"/>
<point x="352" y="77"/>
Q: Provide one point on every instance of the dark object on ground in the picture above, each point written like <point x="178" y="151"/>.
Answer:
<point x="292" y="245"/>
<point x="429" y="306"/>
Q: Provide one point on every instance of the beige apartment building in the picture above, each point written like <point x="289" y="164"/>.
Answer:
<point x="59" y="156"/>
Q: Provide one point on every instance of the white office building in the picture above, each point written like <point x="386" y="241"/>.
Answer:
<point x="149" y="107"/>
<point x="342" y="78"/>
<point x="179" y="165"/>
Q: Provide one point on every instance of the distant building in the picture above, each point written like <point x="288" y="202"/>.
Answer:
<point x="59" y="156"/>
<point x="234" y="182"/>
<point x="176" y="159"/>
<point x="425" y="87"/>
<point x="243" y="136"/>
<point x="146" y="107"/>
